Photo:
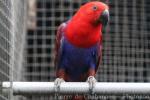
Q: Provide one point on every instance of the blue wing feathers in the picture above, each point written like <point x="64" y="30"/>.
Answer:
<point x="74" y="60"/>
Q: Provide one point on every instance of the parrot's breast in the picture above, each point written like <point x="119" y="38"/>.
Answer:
<point x="82" y="34"/>
<point x="77" y="60"/>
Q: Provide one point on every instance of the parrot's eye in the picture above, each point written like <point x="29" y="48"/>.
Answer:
<point x="94" y="8"/>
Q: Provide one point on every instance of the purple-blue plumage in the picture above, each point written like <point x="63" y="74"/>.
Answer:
<point x="75" y="61"/>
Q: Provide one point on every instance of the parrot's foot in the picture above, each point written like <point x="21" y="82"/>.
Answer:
<point x="92" y="81"/>
<point x="57" y="83"/>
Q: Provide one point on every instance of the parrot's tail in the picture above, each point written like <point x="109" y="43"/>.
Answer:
<point x="77" y="97"/>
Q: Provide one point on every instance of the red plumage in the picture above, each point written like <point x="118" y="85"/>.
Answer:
<point x="83" y="30"/>
<point x="79" y="43"/>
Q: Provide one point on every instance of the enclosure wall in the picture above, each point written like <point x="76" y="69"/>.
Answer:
<point x="12" y="36"/>
<point x="126" y="41"/>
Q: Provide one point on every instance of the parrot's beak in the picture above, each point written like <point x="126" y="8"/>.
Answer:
<point x="104" y="18"/>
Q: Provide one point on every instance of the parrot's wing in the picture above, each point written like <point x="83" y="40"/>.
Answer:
<point x="99" y="56"/>
<point x="59" y="36"/>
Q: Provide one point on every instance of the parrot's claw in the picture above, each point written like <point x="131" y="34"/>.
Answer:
<point x="57" y="83"/>
<point x="92" y="81"/>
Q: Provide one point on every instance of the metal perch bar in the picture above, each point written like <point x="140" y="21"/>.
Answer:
<point x="47" y="88"/>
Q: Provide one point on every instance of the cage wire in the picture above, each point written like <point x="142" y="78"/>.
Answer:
<point x="126" y="42"/>
<point x="12" y="36"/>
<point x="126" y="54"/>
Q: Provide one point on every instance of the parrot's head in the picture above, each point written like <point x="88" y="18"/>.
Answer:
<point x="94" y="13"/>
<point x="84" y="28"/>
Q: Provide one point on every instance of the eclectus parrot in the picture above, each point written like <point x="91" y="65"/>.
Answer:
<point x="79" y="44"/>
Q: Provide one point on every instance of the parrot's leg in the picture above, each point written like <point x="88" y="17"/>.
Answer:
<point x="57" y="84"/>
<point x="61" y="78"/>
<point x="91" y="80"/>
<point x="61" y="75"/>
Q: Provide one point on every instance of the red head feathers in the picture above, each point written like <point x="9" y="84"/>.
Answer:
<point x="84" y="29"/>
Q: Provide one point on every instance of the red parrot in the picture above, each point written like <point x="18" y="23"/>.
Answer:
<point x="79" y="44"/>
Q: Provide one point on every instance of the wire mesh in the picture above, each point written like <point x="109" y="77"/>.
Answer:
<point x="5" y="42"/>
<point x="126" y="54"/>
<point x="12" y="33"/>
